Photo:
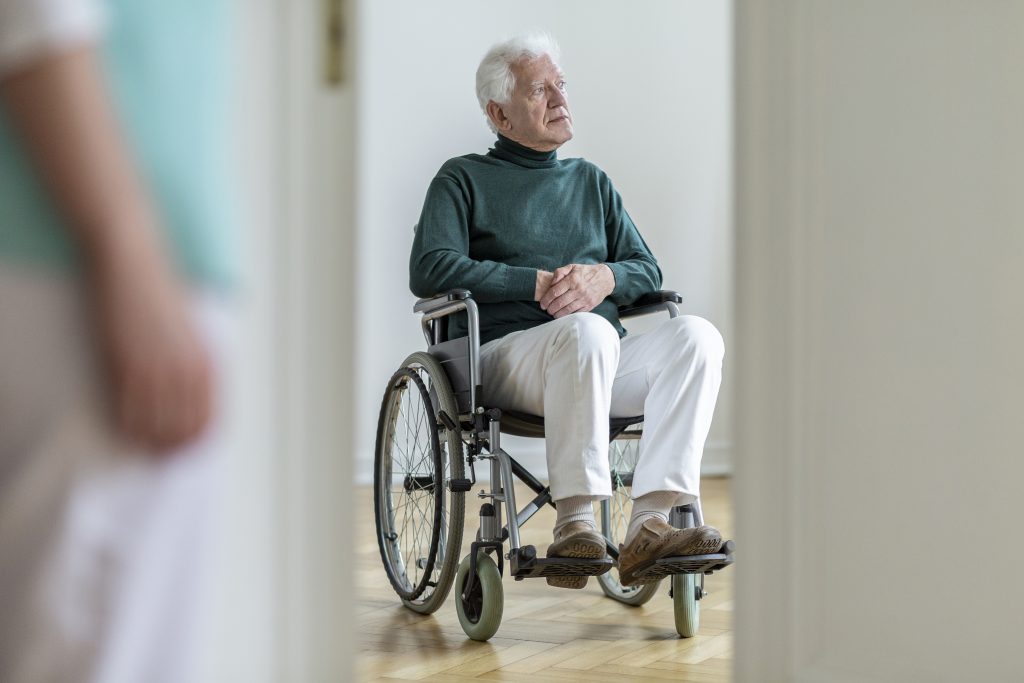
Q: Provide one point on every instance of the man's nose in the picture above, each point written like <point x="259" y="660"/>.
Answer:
<point x="556" y="98"/>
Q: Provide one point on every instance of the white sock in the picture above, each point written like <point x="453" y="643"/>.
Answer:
<point x="575" y="509"/>
<point x="648" y="506"/>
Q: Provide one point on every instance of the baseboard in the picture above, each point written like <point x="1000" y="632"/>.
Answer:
<point x="364" y="471"/>
<point x="717" y="461"/>
<point x="530" y="453"/>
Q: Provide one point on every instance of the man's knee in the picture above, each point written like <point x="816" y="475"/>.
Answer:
<point x="700" y="337"/>
<point x="590" y="333"/>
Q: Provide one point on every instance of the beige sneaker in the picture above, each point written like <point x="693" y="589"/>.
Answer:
<point x="578" y="540"/>
<point x="657" y="539"/>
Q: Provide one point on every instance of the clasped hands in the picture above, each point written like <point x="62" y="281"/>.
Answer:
<point x="574" y="287"/>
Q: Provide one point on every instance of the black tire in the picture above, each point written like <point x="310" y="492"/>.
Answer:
<point x="613" y="515"/>
<point x="420" y="534"/>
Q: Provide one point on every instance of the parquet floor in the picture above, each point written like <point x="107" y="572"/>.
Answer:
<point x="546" y="634"/>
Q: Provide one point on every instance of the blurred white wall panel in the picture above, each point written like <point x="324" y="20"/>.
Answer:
<point x="880" y="236"/>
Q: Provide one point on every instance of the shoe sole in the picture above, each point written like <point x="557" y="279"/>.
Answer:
<point x="576" y="548"/>
<point x="700" y="546"/>
<point x="626" y="578"/>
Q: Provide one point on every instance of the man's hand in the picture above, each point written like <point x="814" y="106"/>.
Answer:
<point x="577" y="287"/>
<point x="544" y="278"/>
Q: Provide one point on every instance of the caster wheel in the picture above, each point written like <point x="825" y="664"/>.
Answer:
<point x="684" y="600"/>
<point x="480" y="611"/>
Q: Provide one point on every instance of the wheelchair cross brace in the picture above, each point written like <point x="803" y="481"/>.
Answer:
<point x="523" y="561"/>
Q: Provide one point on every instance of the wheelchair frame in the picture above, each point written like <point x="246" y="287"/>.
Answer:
<point x="503" y="466"/>
<point x="479" y="429"/>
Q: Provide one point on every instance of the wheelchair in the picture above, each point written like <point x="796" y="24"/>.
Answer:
<point x="435" y="423"/>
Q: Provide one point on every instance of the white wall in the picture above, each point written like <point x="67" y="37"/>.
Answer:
<point x="880" y="228"/>
<point x="650" y="89"/>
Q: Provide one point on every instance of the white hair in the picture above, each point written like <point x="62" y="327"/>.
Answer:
<point x="494" y="78"/>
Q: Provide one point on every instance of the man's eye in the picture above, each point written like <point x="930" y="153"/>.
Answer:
<point x="562" y="85"/>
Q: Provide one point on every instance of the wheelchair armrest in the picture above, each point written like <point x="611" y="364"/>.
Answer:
<point x="454" y="352"/>
<point x="440" y="300"/>
<point x="652" y="302"/>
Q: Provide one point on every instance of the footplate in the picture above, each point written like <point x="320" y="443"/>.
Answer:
<point x="685" y="564"/>
<point x="525" y="565"/>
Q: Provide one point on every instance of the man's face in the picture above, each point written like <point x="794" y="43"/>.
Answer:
<point x="538" y="114"/>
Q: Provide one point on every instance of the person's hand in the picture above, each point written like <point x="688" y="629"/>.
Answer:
<point x="159" y="369"/>
<point x="543" y="282"/>
<point x="577" y="287"/>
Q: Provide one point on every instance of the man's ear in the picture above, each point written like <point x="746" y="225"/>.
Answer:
<point x="497" y="116"/>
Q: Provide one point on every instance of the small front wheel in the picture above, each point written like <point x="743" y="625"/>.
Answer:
<point x="684" y="602"/>
<point x="479" y="611"/>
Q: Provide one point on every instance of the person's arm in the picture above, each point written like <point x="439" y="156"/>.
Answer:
<point x="159" y="370"/>
<point x="440" y="260"/>
<point x="632" y="264"/>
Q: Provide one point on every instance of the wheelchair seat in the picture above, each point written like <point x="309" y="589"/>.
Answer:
<point x="524" y="424"/>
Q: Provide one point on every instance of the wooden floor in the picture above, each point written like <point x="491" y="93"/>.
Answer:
<point x="546" y="634"/>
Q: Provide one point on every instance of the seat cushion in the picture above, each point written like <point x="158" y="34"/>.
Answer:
<point x="525" y="424"/>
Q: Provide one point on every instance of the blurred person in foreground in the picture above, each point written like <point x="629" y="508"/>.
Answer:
<point x="114" y="287"/>
<point x="547" y="249"/>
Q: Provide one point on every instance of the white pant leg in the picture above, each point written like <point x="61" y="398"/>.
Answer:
<point x="102" y="548"/>
<point x="671" y="376"/>
<point x="562" y="370"/>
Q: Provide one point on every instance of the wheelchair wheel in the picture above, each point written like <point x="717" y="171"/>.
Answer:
<point x="685" y="604"/>
<point x="480" y="611"/>
<point x="419" y="519"/>
<point x="614" y="513"/>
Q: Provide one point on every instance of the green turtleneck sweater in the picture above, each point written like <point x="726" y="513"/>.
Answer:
<point x="490" y="222"/>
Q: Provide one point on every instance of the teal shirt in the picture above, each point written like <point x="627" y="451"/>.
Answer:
<point x="490" y="222"/>
<point x="166" y="65"/>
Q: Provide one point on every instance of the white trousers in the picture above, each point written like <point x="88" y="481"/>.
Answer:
<point x="576" y="372"/>
<point x="103" y="549"/>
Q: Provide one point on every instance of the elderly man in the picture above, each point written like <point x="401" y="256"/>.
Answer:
<point x="549" y="252"/>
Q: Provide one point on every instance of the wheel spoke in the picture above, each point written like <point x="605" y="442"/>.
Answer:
<point x="623" y="454"/>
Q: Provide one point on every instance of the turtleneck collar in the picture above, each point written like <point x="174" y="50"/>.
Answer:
<point x="509" y="150"/>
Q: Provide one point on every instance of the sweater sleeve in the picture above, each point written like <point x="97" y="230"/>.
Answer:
<point x="31" y="30"/>
<point x="630" y="259"/>
<point x="440" y="253"/>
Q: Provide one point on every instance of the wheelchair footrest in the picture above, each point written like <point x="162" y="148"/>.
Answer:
<point x="686" y="564"/>
<point x="560" y="566"/>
